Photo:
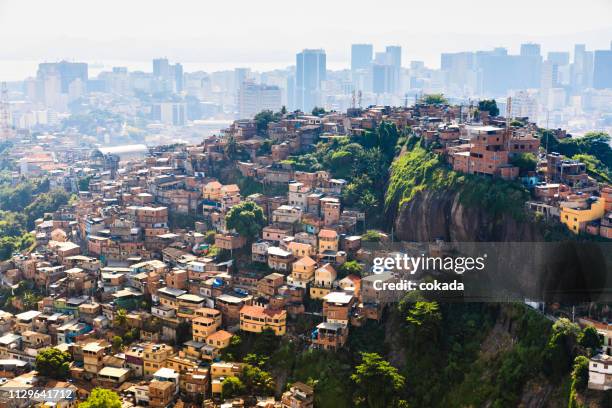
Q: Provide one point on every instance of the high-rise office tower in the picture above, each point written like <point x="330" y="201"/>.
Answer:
<point x="240" y="75"/>
<point x="559" y="58"/>
<point x="66" y="71"/>
<point x="361" y="56"/>
<point x="178" y="77"/>
<point x="161" y="68"/>
<point x="582" y="68"/>
<point x="310" y="72"/>
<point x="602" y="69"/>
<point x="394" y="55"/>
<point x="394" y="58"/>
<point x="530" y="50"/>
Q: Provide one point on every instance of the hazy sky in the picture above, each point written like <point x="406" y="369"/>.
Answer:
<point x="226" y="31"/>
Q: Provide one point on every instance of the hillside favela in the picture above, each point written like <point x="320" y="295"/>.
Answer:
<point x="352" y="228"/>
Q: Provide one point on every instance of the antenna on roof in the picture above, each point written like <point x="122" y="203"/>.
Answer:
<point x="359" y="98"/>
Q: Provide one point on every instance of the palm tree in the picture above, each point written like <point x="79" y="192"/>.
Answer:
<point x="120" y="320"/>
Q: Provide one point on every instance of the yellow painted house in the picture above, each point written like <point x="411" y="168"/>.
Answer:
<point x="255" y="319"/>
<point x="576" y="218"/>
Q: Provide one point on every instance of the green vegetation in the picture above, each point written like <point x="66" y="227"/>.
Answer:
<point x="20" y="207"/>
<point x="497" y="379"/>
<point x="378" y="383"/>
<point x="596" y="144"/>
<point x="120" y="321"/>
<point x="419" y="170"/>
<point x="525" y="162"/>
<point x="317" y="111"/>
<point x="434" y="99"/>
<point x="589" y="339"/>
<point x="88" y="123"/>
<point x="595" y="168"/>
<point x="264" y="117"/>
<point x="371" y="236"/>
<point x="232" y="387"/>
<point x="84" y="183"/>
<point x="25" y="291"/>
<point x="580" y="380"/>
<point x="235" y="151"/>
<point x="53" y="363"/>
<point x="117" y="343"/>
<point x="488" y="105"/>
<point x="363" y="161"/>
<point x="247" y="218"/>
<point x="101" y="398"/>
<point x="257" y="381"/>
<point x="349" y="268"/>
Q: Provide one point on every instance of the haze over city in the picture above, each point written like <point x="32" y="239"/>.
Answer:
<point x="221" y="35"/>
<point x="326" y="204"/>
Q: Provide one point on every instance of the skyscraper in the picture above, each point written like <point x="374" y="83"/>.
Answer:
<point x="310" y="71"/>
<point x="161" y="68"/>
<point x="66" y="71"/>
<point x="530" y="50"/>
<point x="559" y="58"/>
<point x="361" y="56"/>
<point x="240" y="75"/>
<point x="178" y="77"/>
<point x="394" y="59"/>
<point x="602" y="69"/>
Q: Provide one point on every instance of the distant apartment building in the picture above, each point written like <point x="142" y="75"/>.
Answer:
<point x="254" y="98"/>
<point x="170" y="113"/>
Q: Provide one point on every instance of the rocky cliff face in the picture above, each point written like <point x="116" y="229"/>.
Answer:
<point x="440" y="214"/>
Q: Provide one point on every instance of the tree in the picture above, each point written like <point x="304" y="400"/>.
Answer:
<point x="387" y="138"/>
<point x="560" y="349"/>
<point x="232" y="149"/>
<point x="84" y="183"/>
<point x="265" y="343"/>
<point x="488" y="105"/>
<point x="117" y="343"/>
<point x="525" y="162"/>
<point x="378" y="382"/>
<point x="247" y="218"/>
<point x="596" y="144"/>
<point x="424" y="321"/>
<point x="45" y="203"/>
<point x="371" y="236"/>
<point x="257" y="381"/>
<point x="434" y="99"/>
<point x="232" y="387"/>
<point x="317" y="111"/>
<point x="349" y="268"/>
<point x="53" y="363"/>
<point x="101" y="398"/>
<point x="580" y="373"/>
<point x="589" y="338"/>
<point x="264" y="117"/>
<point x="232" y="352"/>
<point x="120" y="320"/>
<point x="594" y="167"/>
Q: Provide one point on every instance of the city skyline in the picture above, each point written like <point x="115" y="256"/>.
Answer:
<point x="256" y="34"/>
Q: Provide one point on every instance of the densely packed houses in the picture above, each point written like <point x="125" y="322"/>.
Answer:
<point x="145" y="252"/>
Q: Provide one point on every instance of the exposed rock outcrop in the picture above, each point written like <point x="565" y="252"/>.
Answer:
<point x="440" y="214"/>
